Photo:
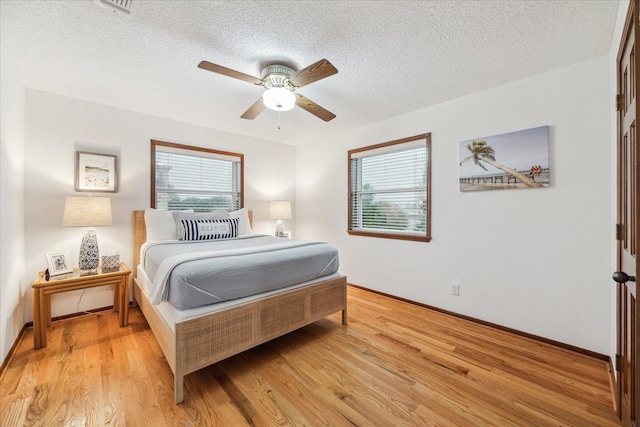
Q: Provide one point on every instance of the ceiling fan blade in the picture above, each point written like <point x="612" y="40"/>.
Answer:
<point x="205" y="65"/>
<point x="253" y="111"/>
<point x="313" y="108"/>
<point x="313" y="73"/>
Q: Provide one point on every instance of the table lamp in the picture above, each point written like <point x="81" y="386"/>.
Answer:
<point x="279" y="210"/>
<point x="87" y="212"/>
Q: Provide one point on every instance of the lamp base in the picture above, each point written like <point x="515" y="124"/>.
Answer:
<point x="279" y="229"/>
<point x="89" y="259"/>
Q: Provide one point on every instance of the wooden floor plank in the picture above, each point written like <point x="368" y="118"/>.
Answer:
<point x="394" y="363"/>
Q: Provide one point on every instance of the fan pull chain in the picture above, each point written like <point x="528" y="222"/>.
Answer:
<point x="278" y="119"/>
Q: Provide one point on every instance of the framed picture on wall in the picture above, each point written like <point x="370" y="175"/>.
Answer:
<point x="58" y="263"/>
<point x="506" y="161"/>
<point x="96" y="173"/>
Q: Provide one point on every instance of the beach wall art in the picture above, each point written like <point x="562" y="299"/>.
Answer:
<point x="96" y="172"/>
<point x="512" y="160"/>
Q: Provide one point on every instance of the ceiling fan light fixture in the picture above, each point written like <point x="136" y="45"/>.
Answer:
<point x="280" y="82"/>
<point x="279" y="99"/>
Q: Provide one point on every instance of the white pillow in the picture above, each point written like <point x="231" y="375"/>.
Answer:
<point x="161" y="225"/>
<point x="244" y="226"/>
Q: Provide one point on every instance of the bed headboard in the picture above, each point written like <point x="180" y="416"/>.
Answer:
<point x="140" y="236"/>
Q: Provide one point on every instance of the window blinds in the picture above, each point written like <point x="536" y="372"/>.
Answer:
<point x="199" y="180"/>
<point x="388" y="189"/>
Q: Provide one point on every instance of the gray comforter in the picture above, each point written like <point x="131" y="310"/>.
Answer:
<point x="193" y="274"/>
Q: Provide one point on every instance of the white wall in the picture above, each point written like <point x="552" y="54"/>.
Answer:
<point x="57" y="126"/>
<point x="536" y="260"/>
<point x="12" y="283"/>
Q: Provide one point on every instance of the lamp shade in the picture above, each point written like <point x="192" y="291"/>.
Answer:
<point x="280" y="209"/>
<point x="87" y="212"/>
<point x="279" y="99"/>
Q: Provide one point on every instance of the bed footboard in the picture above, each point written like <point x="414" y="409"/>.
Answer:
<point x="204" y="340"/>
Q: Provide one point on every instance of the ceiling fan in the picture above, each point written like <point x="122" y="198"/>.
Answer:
<point x="280" y="83"/>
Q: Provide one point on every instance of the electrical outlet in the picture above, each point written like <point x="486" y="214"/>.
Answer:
<point x="455" y="289"/>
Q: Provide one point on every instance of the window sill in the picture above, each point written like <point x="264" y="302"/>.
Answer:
<point x="391" y="235"/>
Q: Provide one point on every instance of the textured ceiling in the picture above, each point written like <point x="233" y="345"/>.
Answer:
<point x="393" y="57"/>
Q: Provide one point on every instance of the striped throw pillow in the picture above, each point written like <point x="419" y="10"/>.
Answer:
<point x="208" y="229"/>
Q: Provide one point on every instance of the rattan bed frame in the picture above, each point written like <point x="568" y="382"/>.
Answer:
<point x="202" y="341"/>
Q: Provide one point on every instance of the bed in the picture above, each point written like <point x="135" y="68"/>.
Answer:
<point x="201" y="336"/>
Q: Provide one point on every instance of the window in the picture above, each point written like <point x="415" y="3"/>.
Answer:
<point x="202" y="179"/>
<point x="389" y="189"/>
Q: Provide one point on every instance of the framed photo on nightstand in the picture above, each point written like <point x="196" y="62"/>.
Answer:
<point x="59" y="263"/>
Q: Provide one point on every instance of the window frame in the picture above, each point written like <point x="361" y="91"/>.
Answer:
<point x="426" y="237"/>
<point x="194" y="150"/>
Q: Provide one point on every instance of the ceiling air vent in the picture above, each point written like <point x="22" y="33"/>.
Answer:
<point x="117" y="6"/>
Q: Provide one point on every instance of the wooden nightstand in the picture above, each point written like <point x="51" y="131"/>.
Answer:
<point x="43" y="289"/>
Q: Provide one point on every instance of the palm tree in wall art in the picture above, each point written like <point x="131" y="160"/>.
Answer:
<point x="481" y="152"/>
<point x="527" y="153"/>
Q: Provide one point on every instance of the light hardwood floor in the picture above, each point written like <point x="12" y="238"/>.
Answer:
<point x="394" y="364"/>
